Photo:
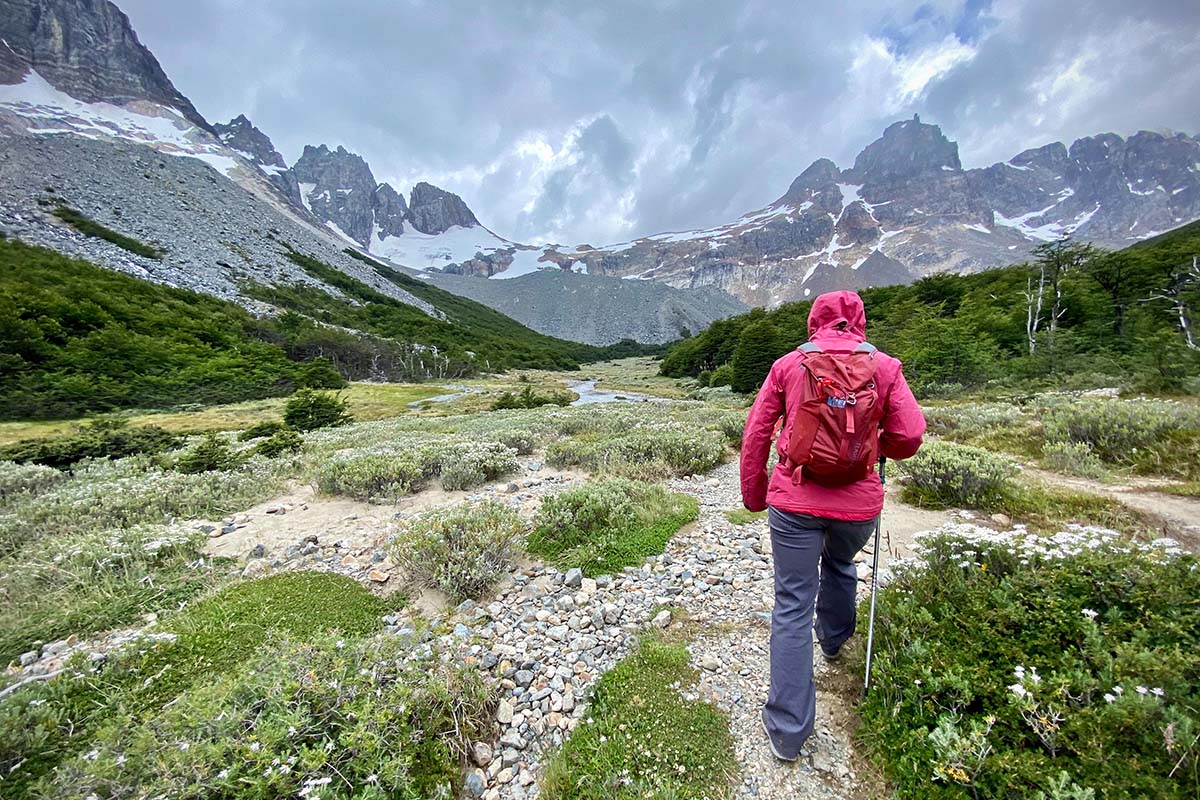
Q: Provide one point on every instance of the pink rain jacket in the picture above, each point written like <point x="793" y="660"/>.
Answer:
<point x="837" y="323"/>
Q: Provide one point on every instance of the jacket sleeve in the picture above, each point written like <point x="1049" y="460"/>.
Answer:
<point x="756" y="442"/>
<point x="903" y="423"/>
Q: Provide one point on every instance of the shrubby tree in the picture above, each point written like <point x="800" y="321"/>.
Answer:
<point x="757" y="348"/>
<point x="309" y="409"/>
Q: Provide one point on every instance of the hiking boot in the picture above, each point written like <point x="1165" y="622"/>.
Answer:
<point x="833" y="655"/>
<point x="774" y="748"/>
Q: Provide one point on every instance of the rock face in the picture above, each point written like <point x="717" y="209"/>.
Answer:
<point x="87" y="49"/>
<point x="595" y="309"/>
<point x="435" y="210"/>
<point x="241" y="135"/>
<point x="907" y="209"/>
<point x="337" y="187"/>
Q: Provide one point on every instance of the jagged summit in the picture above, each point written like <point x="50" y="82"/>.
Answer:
<point x="906" y="150"/>
<point x="435" y="210"/>
<point x="87" y="49"/>
<point x="241" y="135"/>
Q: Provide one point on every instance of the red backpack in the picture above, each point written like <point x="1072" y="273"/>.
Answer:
<point x="833" y="439"/>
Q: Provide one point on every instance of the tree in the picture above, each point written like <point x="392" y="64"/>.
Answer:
<point x="1178" y="289"/>
<point x="757" y="348"/>
<point x="1116" y="274"/>
<point x="1055" y="260"/>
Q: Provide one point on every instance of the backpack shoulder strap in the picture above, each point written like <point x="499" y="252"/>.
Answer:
<point x="866" y="347"/>
<point x="810" y="347"/>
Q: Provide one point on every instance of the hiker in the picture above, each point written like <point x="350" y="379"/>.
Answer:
<point x="842" y="404"/>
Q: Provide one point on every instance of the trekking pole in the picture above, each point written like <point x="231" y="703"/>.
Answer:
<point x="874" y="584"/>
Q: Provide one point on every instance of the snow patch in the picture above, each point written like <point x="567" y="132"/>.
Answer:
<point x="161" y="127"/>
<point x="305" y="190"/>
<point x="1014" y="166"/>
<point x="524" y="262"/>
<point x="429" y="251"/>
<point x="974" y="227"/>
<point x="333" y="226"/>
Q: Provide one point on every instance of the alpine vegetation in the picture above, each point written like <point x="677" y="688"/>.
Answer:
<point x="1012" y="659"/>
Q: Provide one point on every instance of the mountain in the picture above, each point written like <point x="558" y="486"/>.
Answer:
<point x="87" y="49"/>
<point x="95" y="135"/>
<point x="594" y="308"/>
<point x="241" y="135"/>
<point x="906" y="209"/>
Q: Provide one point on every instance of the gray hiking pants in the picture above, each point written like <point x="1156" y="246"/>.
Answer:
<point x="814" y="561"/>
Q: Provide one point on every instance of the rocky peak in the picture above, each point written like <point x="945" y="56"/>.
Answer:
<point x="88" y="49"/>
<point x="433" y="210"/>
<point x="906" y="150"/>
<point x="819" y="174"/>
<point x="1051" y="156"/>
<point x="337" y="187"/>
<point x="240" y="134"/>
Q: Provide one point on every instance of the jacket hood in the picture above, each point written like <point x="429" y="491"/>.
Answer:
<point x="836" y="313"/>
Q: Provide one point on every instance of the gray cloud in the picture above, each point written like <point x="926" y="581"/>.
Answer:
<point x="572" y="123"/>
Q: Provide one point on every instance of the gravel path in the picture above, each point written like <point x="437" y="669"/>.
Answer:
<point x="549" y="636"/>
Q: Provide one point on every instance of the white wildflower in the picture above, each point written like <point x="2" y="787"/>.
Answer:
<point x="1087" y="612"/>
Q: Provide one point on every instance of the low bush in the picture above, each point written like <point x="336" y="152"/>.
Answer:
<point x="210" y="454"/>
<point x="460" y="551"/>
<point x="82" y="583"/>
<point x="1073" y="458"/>
<point x="280" y="443"/>
<point x="605" y="526"/>
<point x="372" y="476"/>
<point x="389" y="472"/>
<point x="327" y="718"/>
<point x="110" y="437"/>
<point x="262" y="430"/>
<point x="102" y="705"/>
<point x="643" y="739"/>
<point x="1158" y="436"/>
<point x="943" y="474"/>
<point x="642" y="452"/>
<point x="309" y="409"/>
<point x="1012" y="658"/>
<point x="23" y="479"/>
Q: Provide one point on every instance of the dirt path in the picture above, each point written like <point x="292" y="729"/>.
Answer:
<point x="1179" y="516"/>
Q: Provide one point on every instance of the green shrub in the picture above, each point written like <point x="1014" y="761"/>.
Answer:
<point x="521" y="441"/>
<point x="1073" y="458"/>
<point x="704" y="378"/>
<point x="262" y="430"/>
<point x="210" y="454"/>
<point x="110" y="437"/>
<point x="1011" y="658"/>
<point x="279" y="443"/>
<point x="644" y="452"/>
<point x="644" y="739"/>
<point x="604" y="526"/>
<point x="89" y="227"/>
<point x="318" y="374"/>
<point x="721" y="376"/>
<point x="528" y="398"/>
<point x="460" y="551"/>
<point x="25" y="479"/>
<point x="308" y="410"/>
<point x="944" y="474"/>
<point x="327" y="718"/>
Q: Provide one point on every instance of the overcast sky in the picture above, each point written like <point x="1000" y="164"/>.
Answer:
<point x="573" y="121"/>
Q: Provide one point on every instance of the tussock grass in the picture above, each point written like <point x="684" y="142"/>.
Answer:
<point x="645" y="740"/>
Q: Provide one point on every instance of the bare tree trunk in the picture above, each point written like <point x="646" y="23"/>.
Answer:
<point x="1033" y="314"/>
